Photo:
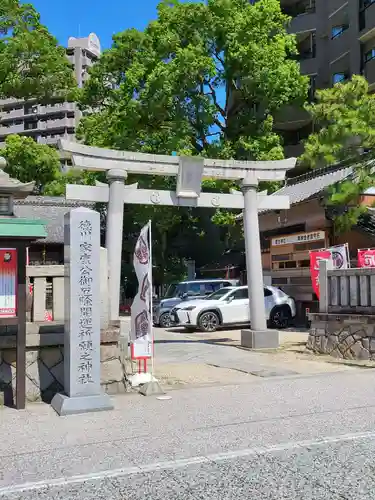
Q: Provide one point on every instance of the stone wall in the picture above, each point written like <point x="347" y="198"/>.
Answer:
<point x="346" y="336"/>
<point x="45" y="363"/>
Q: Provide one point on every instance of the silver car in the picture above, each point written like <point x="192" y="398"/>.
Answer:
<point x="185" y="290"/>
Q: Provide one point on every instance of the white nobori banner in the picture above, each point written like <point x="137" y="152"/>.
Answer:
<point x="340" y="256"/>
<point x="141" y="310"/>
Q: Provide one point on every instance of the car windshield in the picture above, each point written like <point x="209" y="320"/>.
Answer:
<point x="171" y="291"/>
<point x="218" y="294"/>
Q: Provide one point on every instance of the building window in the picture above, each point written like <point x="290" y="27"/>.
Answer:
<point x="339" y="78"/>
<point x="30" y="109"/>
<point x="5" y="205"/>
<point x="337" y="31"/>
<point x="31" y="125"/>
<point x="370" y="55"/>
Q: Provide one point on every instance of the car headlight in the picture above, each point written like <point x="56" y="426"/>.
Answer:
<point x="189" y="308"/>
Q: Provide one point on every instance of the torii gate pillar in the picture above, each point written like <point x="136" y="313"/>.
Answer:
<point x="115" y="219"/>
<point x="254" y="270"/>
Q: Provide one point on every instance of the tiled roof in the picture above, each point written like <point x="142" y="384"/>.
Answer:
<point x="50" y="209"/>
<point x="309" y="185"/>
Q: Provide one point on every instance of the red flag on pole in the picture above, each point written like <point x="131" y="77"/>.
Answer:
<point x="315" y="258"/>
<point x="366" y="257"/>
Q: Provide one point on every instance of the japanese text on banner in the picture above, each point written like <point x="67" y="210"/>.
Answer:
<point x="141" y="315"/>
<point x="315" y="258"/>
<point x="366" y="257"/>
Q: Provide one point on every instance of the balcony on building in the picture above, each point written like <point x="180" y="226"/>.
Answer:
<point x="12" y="129"/>
<point x="10" y="113"/>
<point x="291" y="117"/>
<point x="339" y="35"/>
<point x="293" y="140"/>
<point x="302" y="13"/>
<point x="335" y="6"/>
<point x="368" y="63"/>
<point x="366" y="20"/>
<point x="307" y="52"/>
<point x="339" y="70"/>
<point x="57" y="107"/>
<point x="50" y="140"/>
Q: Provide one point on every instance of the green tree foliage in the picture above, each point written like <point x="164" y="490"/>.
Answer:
<point x="344" y="116"/>
<point x="201" y="79"/>
<point x="28" y="161"/>
<point x="204" y="79"/>
<point x="32" y="65"/>
<point x="57" y="186"/>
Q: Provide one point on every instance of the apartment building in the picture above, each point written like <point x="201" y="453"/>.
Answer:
<point x="47" y="123"/>
<point x="336" y="39"/>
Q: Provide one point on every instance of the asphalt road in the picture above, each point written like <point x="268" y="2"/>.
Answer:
<point x="289" y="437"/>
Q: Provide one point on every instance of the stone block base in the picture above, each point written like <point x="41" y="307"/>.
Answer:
<point x="258" y="339"/>
<point x="64" y="405"/>
<point x="345" y="336"/>
<point x="45" y="367"/>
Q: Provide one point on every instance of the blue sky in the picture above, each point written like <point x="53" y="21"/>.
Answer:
<point x="66" y="18"/>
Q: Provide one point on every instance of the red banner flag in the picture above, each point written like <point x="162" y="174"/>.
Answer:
<point x="366" y="257"/>
<point x="315" y="258"/>
<point x="8" y="282"/>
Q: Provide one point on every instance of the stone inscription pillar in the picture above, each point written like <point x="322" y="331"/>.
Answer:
<point x="82" y="316"/>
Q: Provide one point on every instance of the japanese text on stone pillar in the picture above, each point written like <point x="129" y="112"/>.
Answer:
<point x="85" y="333"/>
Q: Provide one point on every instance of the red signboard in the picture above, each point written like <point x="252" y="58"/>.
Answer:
<point x="315" y="258"/>
<point x="366" y="257"/>
<point x="8" y="282"/>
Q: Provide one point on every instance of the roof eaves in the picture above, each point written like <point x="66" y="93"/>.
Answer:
<point x="304" y="179"/>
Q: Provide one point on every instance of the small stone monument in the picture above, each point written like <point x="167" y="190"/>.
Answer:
<point x="82" y="316"/>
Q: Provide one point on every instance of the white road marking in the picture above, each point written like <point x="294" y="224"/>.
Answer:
<point x="181" y="463"/>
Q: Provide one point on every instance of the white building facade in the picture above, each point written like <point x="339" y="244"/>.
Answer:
<point x="46" y="124"/>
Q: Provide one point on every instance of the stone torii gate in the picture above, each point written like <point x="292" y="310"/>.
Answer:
<point x="189" y="172"/>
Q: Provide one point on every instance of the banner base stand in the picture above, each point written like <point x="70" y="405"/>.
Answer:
<point x="152" y="388"/>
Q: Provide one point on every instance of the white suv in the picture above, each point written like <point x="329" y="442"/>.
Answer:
<point x="230" y="306"/>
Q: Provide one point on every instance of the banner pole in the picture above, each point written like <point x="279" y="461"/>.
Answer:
<point x="151" y="298"/>
<point x="347" y="254"/>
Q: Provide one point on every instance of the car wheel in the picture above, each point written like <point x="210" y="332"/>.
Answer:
<point x="165" y="321"/>
<point x="209" y="321"/>
<point x="281" y="317"/>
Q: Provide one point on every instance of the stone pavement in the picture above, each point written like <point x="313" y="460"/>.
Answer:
<point x="279" y="438"/>
<point x="184" y="360"/>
